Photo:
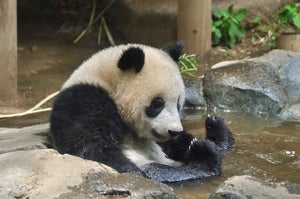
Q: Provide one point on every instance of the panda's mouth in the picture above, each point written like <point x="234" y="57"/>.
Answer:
<point x="157" y="135"/>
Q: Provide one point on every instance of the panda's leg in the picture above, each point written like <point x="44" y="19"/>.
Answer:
<point x="110" y="154"/>
<point x="218" y="132"/>
<point x="85" y="122"/>
<point x="201" y="160"/>
<point x="186" y="148"/>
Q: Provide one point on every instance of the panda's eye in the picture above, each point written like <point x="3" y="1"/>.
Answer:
<point x="156" y="106"/>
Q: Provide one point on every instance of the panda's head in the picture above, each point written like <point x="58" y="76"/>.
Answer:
<point x="150" y="91"/>
<point x="145" y="84"/>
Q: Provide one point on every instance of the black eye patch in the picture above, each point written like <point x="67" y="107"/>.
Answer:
<point x="156" y="106"/>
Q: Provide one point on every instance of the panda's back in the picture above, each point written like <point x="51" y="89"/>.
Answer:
<point x="85" y="114"/>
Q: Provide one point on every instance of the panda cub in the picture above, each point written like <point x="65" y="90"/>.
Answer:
<point x="121" y="108"/>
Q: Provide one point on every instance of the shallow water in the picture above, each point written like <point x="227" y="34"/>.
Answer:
<point x="266" y="148"/>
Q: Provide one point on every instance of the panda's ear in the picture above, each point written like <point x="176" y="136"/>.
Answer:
<point x="175" y="50"/>
<point x="132" y="58"/>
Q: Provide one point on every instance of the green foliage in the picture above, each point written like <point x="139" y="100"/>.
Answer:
<point x="266" y="32"/>
<point x="188" y="64"/>
<point x="256" y="20"/>
<point x="290" y="16"/>
<point x="226" y="25"/>
<point x="263" y="33"/>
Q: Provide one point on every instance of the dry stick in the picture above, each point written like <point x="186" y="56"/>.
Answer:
<point x="89" y="24"/>
<point x="103" y="11"/>
<point x="107" y="32"/>
<point x="34" y="109"/>
<point x="92" y="21"/>
<point x="99" y="34"/>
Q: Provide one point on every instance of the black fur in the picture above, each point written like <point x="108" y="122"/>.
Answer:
<point x="219" y="133"/>
<point x="201" y="160"/>
<point x="175" y="51"/>
<point x="132" y="58"/>
<point x="85" y="122"/>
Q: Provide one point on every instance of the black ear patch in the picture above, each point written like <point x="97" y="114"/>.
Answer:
<point x="175" y="50"/>
<point x="132" y="58"/>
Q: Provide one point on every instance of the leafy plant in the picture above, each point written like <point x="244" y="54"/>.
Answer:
<point x="226" y="25"/>
<point x="263" y="33"/>
<point x="289" y="17"/>
<point x="188" y="64"/>
<point x="266" y="32"/>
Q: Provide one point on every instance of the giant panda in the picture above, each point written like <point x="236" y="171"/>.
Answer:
<point x="121" y="108"/>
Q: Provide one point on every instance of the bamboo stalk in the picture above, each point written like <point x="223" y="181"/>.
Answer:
<point x="99" y="34"/>
<point x="89" y="24"/>
<point x="92" y="21"/>
<point x="107" y="32"/>
<point x="33" y="109"/>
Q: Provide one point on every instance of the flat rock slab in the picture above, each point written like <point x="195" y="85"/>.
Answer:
<point x="27" y="138"/>
<point x="30" y="170"/>
<point x="43" y="173"/>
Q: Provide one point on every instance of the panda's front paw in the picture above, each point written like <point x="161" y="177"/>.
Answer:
<point x="218" y="132"/>
<point x="204" y="152"/>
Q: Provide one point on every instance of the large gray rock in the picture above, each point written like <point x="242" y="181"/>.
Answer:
<point x="246" y="86"/>
<point x="264" y="85"/>
<point x="30" y="170"/>
<point x="194" y="93"/>
<point x="287" y="64"/>
<point x="244" y="187"/>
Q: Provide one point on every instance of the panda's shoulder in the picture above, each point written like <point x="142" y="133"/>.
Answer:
<point x="86" y="100"/>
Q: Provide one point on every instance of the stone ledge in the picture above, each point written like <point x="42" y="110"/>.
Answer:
<point x="30" y="170"/>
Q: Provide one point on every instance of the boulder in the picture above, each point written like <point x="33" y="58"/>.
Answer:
<point x="243" y="187"/>
<point x="194" y="93"/>
<point x="246" y="86"/>
<point x="267" y="85"/>
<point x="287" y="63"/>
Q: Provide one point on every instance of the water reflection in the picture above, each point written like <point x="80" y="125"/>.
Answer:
<point x="267" y="148"/>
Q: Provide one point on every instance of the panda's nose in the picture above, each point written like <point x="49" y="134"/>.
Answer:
<point x="174" y="133"/>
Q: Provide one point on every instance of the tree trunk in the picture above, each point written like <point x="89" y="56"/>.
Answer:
<point x="289" y="42"/>
<point x="8" y="50"/>
<point x="194" y="25"/>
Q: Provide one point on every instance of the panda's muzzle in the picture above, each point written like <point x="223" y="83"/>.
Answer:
<point x="157" y="135"/>
<point x="171" y="134"/>
<point x="174" y="133"/>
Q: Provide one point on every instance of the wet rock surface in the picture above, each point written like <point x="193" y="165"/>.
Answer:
<point x="245" y="86"/>
<point x="194" y="93"/>
<point x="267" y="85"/>
<point x="243" y="187"/>
<point x="27" y="138"/>
<point x="30" y="170"/>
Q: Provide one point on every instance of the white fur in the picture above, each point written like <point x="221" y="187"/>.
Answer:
<point x="133" y="92"/>
<point x="145" y="152"/>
